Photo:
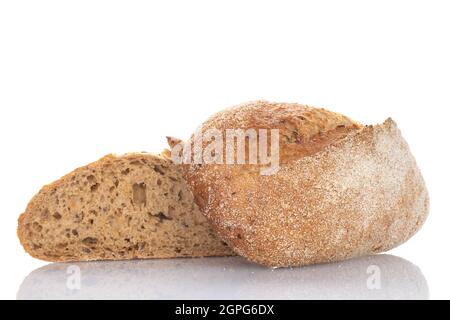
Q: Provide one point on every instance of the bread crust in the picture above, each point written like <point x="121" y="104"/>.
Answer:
<point x="119" y="207"/>
<point x="343" y="190"/>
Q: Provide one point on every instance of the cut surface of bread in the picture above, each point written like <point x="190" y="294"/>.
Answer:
<point x="134" y="206"/>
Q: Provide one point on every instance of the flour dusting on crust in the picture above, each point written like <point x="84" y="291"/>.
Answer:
<point x="358" y="192"/>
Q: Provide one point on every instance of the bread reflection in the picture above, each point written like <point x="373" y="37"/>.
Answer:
<point x="372" y="277"/>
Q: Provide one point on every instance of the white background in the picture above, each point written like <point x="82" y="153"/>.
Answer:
<point x="80" y="79"/>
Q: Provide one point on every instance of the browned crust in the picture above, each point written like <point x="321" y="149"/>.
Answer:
<point x="352" y="194"/>
<point x="303" y="130"/>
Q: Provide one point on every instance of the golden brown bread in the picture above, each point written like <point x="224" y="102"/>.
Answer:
<point x="124" y="207"/>
<point x="343" y="189"/>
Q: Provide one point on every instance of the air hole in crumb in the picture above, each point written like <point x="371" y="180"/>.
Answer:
<point x="45" y="214"/>
<point x="75" y="232"/>
<point x="159" y="170"/>
<point x="139" y="194"/>
<point x="94" y="187"/>
<point x="37" y="226"/>
<point x="89" y="241"/>
<point x="57" y="216"/>
<point x="161" y="216"/>
<point x="90" y="178"/>
<point x="62" y="245"/>
<point x="126" y="171"/>
<point x="158" y="182"/>
<point x="79" y="217"/>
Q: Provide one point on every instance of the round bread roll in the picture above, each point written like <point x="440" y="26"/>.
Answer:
<point x="341" y="190"/>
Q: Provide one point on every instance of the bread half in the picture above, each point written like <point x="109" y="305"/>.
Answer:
<point x="120" y="207"/>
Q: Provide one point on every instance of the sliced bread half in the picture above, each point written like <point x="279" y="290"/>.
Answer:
<point x="119" y="207"/>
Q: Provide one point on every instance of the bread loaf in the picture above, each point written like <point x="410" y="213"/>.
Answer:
<point x="342" y="189"/>
<point x="120" y="207"/>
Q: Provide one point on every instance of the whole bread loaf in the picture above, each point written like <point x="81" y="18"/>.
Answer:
<point x="120" y="207"/>
<point x="342" y="189"/>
